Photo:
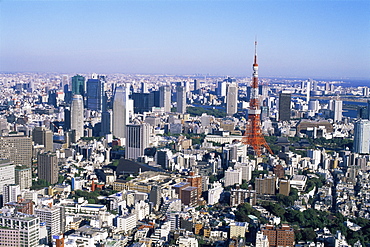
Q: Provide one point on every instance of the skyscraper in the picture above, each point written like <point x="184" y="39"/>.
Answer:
<point x="165" y="98"/>
<point x="43" y="136"/>
<point x="23" y="176"/>
<point x="11" y="192"/>
<point x="362" y="137"/>
<point x="95" y="95"/>
<point x="78" y="85"/>
<point x="77" y="116"/>
<point x="232" y="99"/>
<point x="284" y="106"/>
<point x="47" y="167"/>
<point x="337" y="110"/>
<point x="181" y="98"/>
<point x="137" y="140"/>
<point x="106" y="123"/>
<point x="120" y="111"/>
<point x="196" y="86"/>
<point x="221" y="88"/>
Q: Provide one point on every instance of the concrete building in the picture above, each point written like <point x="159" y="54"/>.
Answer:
<point x="43" y="136"/>
<point x="279" y="236"/>
<point x="232" y="99"/>
<point x="214" y="193"/>
<point x="10" y="237"/>
<point x="266" y="185"/>
<point x="26" y="226"/>
<point x="336" y="106"/>
<point x="126" y="223"/>
<point x="121" y="115"/>
<point x="47" y="167"/>
<point x="54" y="219"/>
<point x="181" y="98"/>
<point x="23" y="176"/>
<point x="232" y="177"/>
<point x="11" y="193"/>
<point x="238" y="229"/>
<point x="77" y="116"/>
<point x="284" y="106"/>
<point x="17" y="149"/>
<point x="165" y="98"/>
<point x="261" y="240"/>
<point x="7" y="171"/>
<point x="362" y="137"/>
<point x="137" y="139"/>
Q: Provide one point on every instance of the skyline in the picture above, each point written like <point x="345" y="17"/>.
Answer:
<point x="295" y="39"/>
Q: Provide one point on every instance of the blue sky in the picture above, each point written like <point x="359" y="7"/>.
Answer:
<point x="295" y="38"/>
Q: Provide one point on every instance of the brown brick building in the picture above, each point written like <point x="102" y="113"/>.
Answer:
<point x="279" y="236"/>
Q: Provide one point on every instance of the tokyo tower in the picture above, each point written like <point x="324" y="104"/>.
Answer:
<point x="253" y="133"/>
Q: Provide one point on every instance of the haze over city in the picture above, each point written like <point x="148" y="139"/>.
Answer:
<point x="295" y="39"/>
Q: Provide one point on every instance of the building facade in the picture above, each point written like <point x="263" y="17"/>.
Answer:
<point x="137" y="140"/>
<point x="362" y="137"/>
<point x="47" y="167"/>
<point x="77" y="116"/>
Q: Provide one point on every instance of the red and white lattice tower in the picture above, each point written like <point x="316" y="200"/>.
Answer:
<point x="253" y="133"/>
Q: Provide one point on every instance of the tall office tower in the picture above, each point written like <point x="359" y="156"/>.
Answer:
<point x="27" y="227"/>
<point x="77" y="116"/>
<point x="181" y="98"/>
<point x="165" y="98"/>
<point x="137" y="139"/>
<point x="263" y="92"/>
<point x="17" y="149"/>
<point x="106" y="122"/>
<point x="253" y="134"/>
<point x="196" y="86"/>
<point x="221" y="88"/>
<point x="144" y="87"/>
<point x="143" y="102"/>
<point x="284" y="106"/>
<point x="23" y="176"/>
<point x="368" y="109"/>
<point x="11" y="192"/>
<point x="365" y="92"/>
<point x="120" y="111"/>
<point x="232" y="177"/>
<point x="43" y="136"/>
<point x="314" y="86"/>
<point x="7" y="173"/>
<point x="232" y="99"/>
<point x="95" y="95"/>
<point x="337" y="108"/>
<point x="362" y="137"/>
<point x="78" y="85"/>
<point x="308" y="90"/>
<point x="47" y="167"/>
<point x="53" y="219"/>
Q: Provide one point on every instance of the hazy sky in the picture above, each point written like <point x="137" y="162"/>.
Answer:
<point x="295" y="38"/>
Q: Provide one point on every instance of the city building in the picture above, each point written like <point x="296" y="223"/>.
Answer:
<point x="362" y="137"/>
<point x="23" y="176"/>
<point x="232" y="177"/>
<point x="232" y="99"/>
<point x="78" y="85"/>
<point x="120" y="113"/>
<point x="27" y="227"/>
<point x="43" y="136"/>
<point x="77" y="116"/>
<point x="285" y="106"/>
<point x="279" y="236"/>
<point x="53" y="218"/>
<point x="7" y="171"/>
<point x="238" y="229"/>
<point x="181" y="98"/>
<point x="17" y="149"/>
<point x="265" y="185"/>
<point x="47" y="167"/>
<point x="95" y="95"/>
<point x="165" y="98"/>
<point x="11" y="193"/>
<point x="336" y="106"/>
<point x="137" y="140"/>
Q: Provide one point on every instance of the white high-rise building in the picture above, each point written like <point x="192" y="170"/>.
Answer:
<point x="214" y="193"/>
<point x="308" y="91"/>
<point x="11" y="192"/>
<point x="7" y="174"/>
<point x="137" y="139"/>
<point x="337" y="108"/>
<point x="120" y="111"/>
<point x="221" y="88"/>
<point x="52" y="218"/>
<point x="165" y="98"/>
<point x="261" y="240"/>
<point x="232" y="99"/>
<point x="232" y="177"/>
<point x="77" y="115"/>
<point x="362" y="137"/>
